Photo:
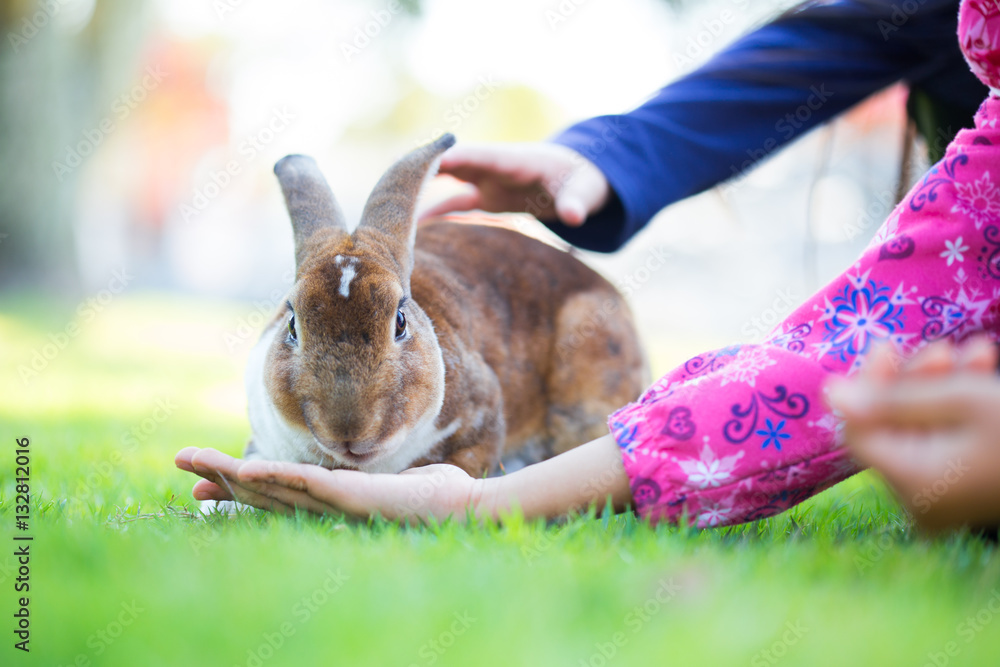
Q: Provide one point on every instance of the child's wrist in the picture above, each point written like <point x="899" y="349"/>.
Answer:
<point x="483" y="498"/>
<point x="493" y="497"/>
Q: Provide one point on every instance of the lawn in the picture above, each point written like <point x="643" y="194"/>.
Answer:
<point x="125" y="572"/>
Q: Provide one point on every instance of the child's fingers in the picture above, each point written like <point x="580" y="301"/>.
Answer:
<point x="881" y="367"/>
<point x="231" y="490"/>
<point x="182" y="459"/>
<point x="479" y="158"/>
<point x="211" y="463"/>
<point x="355" y="493"/>
<point x="516" y="164"/>
<point x="466" y="200"/>
<point x="882" y="364"/>
<point x="581" y="194"/>
<point x="938" y="358"/>
<point x="274" y="472"/>
<point x="852" y="397"/>
<point x="915" y="456"/>
<point x="222" y="471"/>
<point x="345" y="491"/>
<point x="942" y="357"/>
<point x="911" y="403"/>
<point x="221" y="482"/>
<point x="207" y="490"/>
<point x="978" y="355"/>
<point x="877" y="449"/>
<point x="290" y="497"/>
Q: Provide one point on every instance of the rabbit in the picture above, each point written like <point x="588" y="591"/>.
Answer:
<point x="401" y="346"/>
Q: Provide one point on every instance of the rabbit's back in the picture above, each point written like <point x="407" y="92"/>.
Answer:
<point x="558" y="336"/>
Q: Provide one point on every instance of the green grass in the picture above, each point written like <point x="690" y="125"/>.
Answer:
<point x="116" y="539"/>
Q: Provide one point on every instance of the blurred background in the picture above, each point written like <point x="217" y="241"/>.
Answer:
<point x="138" y="139"/>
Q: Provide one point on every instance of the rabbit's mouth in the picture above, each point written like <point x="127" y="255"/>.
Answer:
<point x="352" y="453"/>
<point x="349" y="451"/>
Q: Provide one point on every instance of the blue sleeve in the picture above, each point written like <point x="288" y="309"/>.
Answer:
<point x="766" y="89"/>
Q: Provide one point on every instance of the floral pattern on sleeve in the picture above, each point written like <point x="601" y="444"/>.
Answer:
<point x="743" y="432"/>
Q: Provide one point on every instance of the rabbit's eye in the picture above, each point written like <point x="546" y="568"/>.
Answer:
<point x="291" y="330"/>
<point x="400" y="324"/>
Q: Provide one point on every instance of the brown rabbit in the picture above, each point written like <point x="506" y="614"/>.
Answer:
<point x="459" y="343"/>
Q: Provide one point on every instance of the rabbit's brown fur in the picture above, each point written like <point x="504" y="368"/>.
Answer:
<point x="510" y="345"/>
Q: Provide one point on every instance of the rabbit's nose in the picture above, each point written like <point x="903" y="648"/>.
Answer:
<point x="359" y="448"/>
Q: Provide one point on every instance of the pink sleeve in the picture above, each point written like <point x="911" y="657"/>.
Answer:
<point x="743" y="433"/>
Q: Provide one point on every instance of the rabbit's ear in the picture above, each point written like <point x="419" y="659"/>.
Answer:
<point x="309" y="200"/>
<point x="391" y="207"/>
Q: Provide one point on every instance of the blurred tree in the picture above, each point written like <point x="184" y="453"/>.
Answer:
<point x="61" y="64"/>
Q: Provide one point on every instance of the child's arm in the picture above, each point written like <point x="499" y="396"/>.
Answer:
<point x="571" y="481"/>
<point x="757" y="94"/>
<point x="589" y="474"/>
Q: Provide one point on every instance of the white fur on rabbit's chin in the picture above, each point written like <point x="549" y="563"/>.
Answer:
<point x="277" y="440"/>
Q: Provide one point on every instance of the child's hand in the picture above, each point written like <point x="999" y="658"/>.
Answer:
<point x="931" y="426"/>
<point x="547" y="180"/>
<point x="572" y="481"/>
<point x="439" y="490"/>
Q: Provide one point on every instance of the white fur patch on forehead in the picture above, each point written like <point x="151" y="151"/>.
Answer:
<point x="348" y="269"/>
